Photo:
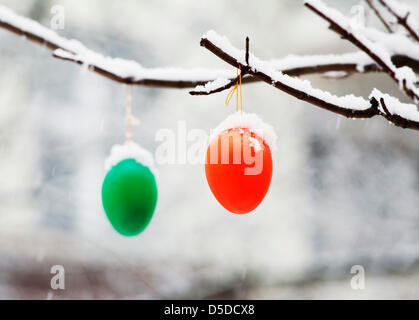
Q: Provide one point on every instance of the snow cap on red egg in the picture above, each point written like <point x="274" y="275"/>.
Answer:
<point x="250" y="121"/>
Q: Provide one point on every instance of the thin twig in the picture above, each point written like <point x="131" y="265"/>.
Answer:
<point x="383" y="104"/>
<point x="363" y="45"/>
<point x="403" y="21"/>
<point x="247" y="50"/>
<point x="396" y="119"/>
<point x="379" y="15"/>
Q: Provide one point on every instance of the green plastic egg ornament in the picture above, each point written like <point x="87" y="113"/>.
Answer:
<point x="129" y="196"/>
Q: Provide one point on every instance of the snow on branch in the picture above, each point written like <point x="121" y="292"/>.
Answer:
<point x="404" y="77"/>
<point x="402" y="14"/>
<point x="395" y="49"/>
<point x="393" y="54"/>
<point x="349" y="106"/>
<point x="380" y="16"/>
<point x="392" y="108"/>
<point x="120" y="70"/>
<point x="294" y="65"/>
<point x="131" y="72"/>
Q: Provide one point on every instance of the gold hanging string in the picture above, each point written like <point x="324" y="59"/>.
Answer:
<point x="238" y="91"/>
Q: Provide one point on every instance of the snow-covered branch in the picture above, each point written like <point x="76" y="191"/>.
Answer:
<point x="395" y="51"/>
<point x="402" y="14"/>
<point x="356" y="34"/>
<point x="295" y="65"/>
<point x="378" y="13"/>
<point x="403" y="115"/>
<point x="127" y="71"/>
<point x="391" y="53"/>
<point x="116" y="69"/>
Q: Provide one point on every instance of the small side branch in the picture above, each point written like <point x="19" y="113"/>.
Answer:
<point x="401" y="114"/>
<point x="402" y="18"/>
<point x="340" y="25"/>
<point x="379" y="15"/>
<point x="350" y="63"/>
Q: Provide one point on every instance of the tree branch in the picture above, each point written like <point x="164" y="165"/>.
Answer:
<point x="340" y="25"/>
<point x="150" y="81"/>
<point x="253" y="69"/>
<point x="115" y="69"/>
<point x="351" y="63"/>
<point x="348" y="106"/>
<point x="70" y="50"/>
<point x="297" y="66"/>
<point x="134" y="73"/>
<point x="379" y="15"/>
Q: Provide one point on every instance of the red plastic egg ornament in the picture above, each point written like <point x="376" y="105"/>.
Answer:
<point x="238" y="168"/>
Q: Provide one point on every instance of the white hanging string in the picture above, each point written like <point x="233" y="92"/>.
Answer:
<point x="130" y="119"/>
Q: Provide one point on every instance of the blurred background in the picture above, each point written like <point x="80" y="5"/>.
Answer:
<point x="344" y="192"/>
